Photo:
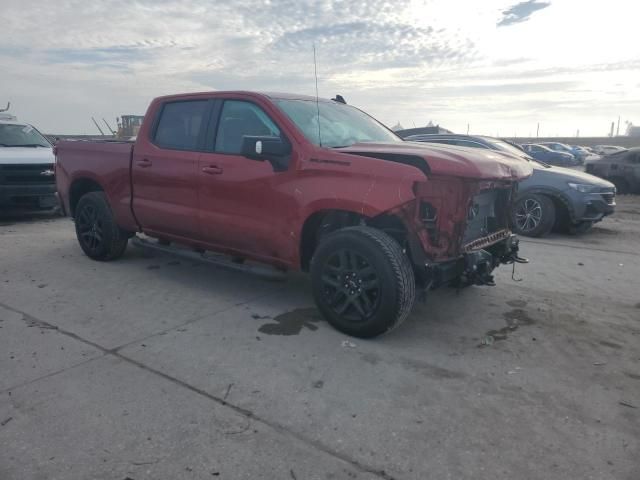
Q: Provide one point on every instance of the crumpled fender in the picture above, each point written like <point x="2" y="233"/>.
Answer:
<point x="364" y="186"/>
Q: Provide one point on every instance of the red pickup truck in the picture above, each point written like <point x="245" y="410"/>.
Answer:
<point x="302" y="184"/>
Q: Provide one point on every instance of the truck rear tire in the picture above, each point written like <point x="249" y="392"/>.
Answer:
<point x="98" y="234"/>
<point x="362" y="281"/>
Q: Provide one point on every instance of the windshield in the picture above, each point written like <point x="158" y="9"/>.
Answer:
<point x="13" y="135"/>
<point x="340" y="125"/>
<point x="506" y="147"/>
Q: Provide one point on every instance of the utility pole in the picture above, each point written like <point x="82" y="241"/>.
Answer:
<point x="618" y="130"/>
<point x="613" y="124"/>
<point x="467" y="129"/>
<point x="538" y="130"/>
<point x="578" y="134"/>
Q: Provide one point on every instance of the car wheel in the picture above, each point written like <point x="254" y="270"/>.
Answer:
<point x="98" y="234"/>
<point x="363" y="282"/>
<point x="580" y="228"/>
<point x="533" y="215"/>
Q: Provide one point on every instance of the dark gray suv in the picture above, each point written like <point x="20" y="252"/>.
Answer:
<point x="557" y="197"/>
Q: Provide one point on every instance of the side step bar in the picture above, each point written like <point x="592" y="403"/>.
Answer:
<point x="217" y="260"/>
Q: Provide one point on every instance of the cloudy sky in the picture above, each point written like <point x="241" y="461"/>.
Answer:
<point x="500" y="66"/>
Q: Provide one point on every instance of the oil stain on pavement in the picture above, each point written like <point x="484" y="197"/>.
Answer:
<point x="292" y="323"/>
<point x="514" y="318"/>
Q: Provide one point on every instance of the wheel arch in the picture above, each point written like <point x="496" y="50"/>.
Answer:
<point x="323" y="222"/>
<point x="561" y="203"/>
<point x="80" y="187"/>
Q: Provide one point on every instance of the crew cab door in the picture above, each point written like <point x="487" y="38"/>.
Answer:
<point x="245" y="205"/>
<point x="165" y="170"/>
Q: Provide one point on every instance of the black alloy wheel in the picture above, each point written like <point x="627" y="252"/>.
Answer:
<point x="89" y="228"/>
<point x="363" y="282"/>
<point x="351" y="285"/>
<point x="99" y="235"/>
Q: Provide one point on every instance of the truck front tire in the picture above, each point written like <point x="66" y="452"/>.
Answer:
<point x="362" y="281"/>
<point x="98" y="234"/>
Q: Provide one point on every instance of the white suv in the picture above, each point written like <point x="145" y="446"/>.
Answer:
<point x="27" y="175"/>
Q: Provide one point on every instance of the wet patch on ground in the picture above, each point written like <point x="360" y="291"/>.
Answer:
<point x="292" y="323"/>
<point x="371" y="358"/>
<point x="430" y="371"/>
<point x="517" y="303"/>
<point x="604" y="231"/>
<point x="513" y="318"/>
<point x="604" y="343"/>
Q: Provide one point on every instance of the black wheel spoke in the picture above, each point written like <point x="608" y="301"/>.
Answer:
<point x="368" y="285"/>
<point x="343" y="307"/>
<point x="333" y="270"/>
<point x="343" y="261"/>
<point x="366" y="271"/>
<point x="366" y="301"/>
<point x="332" y="282"/>
<point x="356" y="303"/>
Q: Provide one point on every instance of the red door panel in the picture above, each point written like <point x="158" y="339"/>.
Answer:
<point x="165" y="170"/>
<point x="165" y="200"/>
<point x="245" y="206"/>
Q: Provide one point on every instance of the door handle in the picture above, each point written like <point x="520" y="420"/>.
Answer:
<point x="212" y="170"/>
<point x="144" y="163"/>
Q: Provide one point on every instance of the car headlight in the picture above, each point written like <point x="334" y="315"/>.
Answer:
<point x="584" y="188"/>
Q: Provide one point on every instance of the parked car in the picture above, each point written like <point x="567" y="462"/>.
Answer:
<point x="552" y="197"/>
<point x="27" y="179"/>
<point x="580" y="153"/>
<point x="607" y="149"/>
<point x="300" y="184"/>
<point x="622" y="168"/>
<point x="560" y="147"/>
<point x="551" y="157"/>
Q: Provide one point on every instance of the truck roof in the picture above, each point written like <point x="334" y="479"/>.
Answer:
<point x="270" y="95"/>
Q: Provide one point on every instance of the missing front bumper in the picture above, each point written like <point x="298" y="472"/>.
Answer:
<point x="474" y="267"/>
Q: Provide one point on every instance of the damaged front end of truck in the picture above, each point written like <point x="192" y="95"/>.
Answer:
<point x="458" y="231"/>
<point x="457" y="226"/>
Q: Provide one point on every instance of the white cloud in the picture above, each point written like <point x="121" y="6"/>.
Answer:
<point x="572" y="64"/>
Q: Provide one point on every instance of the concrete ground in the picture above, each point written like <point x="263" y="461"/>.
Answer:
<point x="153" y="367"/>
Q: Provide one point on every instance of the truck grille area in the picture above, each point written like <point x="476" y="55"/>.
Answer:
<point x="38" y="174"/>
<point x="487" y="219"/>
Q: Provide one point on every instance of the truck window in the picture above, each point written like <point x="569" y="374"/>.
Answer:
<point x="239" y="118"/>
<point x="179" y="125"/>
<point x="334" y="125"/>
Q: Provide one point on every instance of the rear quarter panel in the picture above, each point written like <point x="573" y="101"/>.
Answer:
<point x="105" y="163"/>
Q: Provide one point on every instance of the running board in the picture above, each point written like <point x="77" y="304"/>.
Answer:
<point x="217" y="260"/>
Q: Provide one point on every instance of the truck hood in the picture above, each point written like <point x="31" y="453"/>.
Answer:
<point x="575" y="176"/>
<point x="448" y="160"/>
<point x="26" y="155"/>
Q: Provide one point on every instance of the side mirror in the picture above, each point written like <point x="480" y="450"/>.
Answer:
<point x="264" y="148"/>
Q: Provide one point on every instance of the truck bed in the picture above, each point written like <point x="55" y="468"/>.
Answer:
<point x="108" y="162"/>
